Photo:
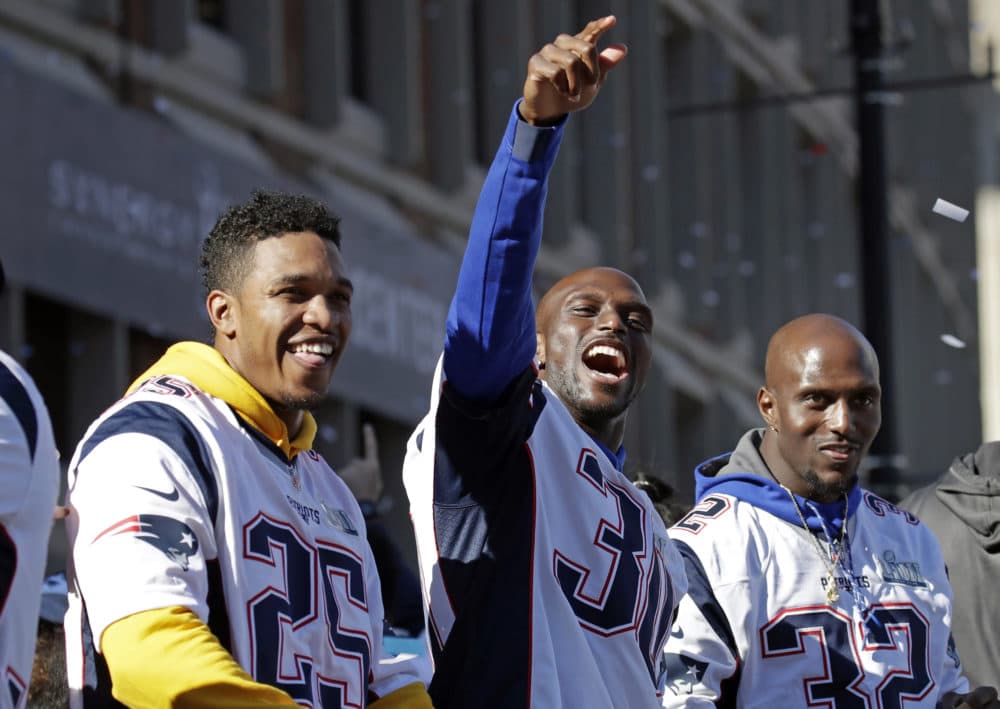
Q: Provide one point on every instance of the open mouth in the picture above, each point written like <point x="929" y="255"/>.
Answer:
<point x="312" y="354"/>
<point x="606" y="362"/>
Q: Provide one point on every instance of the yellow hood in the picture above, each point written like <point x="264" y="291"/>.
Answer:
<point x="208" y="370"/>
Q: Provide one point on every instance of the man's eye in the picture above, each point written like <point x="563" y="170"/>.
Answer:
<point x="583" y="310"/>
<point x="638" y="324"/>
<point x="293" y="294"/>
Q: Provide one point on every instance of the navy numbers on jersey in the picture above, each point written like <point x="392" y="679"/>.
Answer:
<point x="709" y="508"/>
<point x="657" y="618"/>
<point x="610" y="605"/>
<point x="898" y="632"/>
<point x="837" y="677"/>
<point x="901" y="629"/>
<point x="341" y="566"/>
<point x="883" y="507"/>
<point x="625" y="597"/>
<point x="170" y="386"/>
<point x="278" y="611"/>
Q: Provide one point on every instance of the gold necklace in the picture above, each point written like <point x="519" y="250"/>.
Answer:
<point x="832" y="594"/>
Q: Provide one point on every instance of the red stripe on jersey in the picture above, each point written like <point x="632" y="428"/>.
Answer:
<point x="129" y="524"/>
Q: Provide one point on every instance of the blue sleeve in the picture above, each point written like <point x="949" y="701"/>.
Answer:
<point x="490" y="335"/>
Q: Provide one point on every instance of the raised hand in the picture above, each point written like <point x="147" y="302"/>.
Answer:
<point x="567" y="74"/>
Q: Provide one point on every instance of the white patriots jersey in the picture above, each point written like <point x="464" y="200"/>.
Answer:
<point x="756" y="629"/>
<point x="175" y="501"/>
<point x="29" y="484"/>
<point x="550" y="579"/>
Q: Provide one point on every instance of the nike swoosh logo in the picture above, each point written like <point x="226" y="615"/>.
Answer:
<point x="171" y="496"/>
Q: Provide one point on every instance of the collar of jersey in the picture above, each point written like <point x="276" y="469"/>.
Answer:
<point x="617" y="458"/>
<point x="744" y="475"/>
<point x="207" y="369"/>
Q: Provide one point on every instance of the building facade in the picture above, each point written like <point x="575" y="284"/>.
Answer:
<point x="127" y="126"/>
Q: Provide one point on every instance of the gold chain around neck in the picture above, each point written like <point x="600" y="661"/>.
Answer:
<point x="832" y="593"/>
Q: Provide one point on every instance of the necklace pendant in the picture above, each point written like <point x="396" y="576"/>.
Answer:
<point x="832" y="594"/>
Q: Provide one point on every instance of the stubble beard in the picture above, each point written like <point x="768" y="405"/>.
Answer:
<point x="301" y="403"/>
<point x="826" y="492"/>
<point x="569" y="389"/>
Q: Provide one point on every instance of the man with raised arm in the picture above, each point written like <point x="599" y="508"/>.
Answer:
<point x="549" y="577"/>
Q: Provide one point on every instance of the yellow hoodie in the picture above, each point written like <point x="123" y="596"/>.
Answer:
<point x="208" y="370"/>
<point x="167" y="657"/>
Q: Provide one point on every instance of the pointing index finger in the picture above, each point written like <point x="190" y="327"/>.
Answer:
<point x="595" y="28"/>
<point x="371" y="443"/>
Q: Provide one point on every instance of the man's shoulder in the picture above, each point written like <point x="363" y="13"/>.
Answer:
<point x="725" y="539"/>
<point x="165" y="407"/>
<point x="15" y="370"/>
<point x="881" y="511"/>
<point x="21" y="398"/>
<point x="888" y="521"/>
<point x="174" y="392"/>
<point x="717" y="519"/>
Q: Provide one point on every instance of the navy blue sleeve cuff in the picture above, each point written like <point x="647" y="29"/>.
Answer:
<point x="531" y="143"/>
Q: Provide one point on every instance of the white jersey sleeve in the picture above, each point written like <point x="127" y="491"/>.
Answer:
<point x="29" y="482"/>
<point x="153" y="521"/>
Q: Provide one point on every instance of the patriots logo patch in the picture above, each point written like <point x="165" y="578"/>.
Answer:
<point x="174" y="538"/>
<point x="683" y="673"/>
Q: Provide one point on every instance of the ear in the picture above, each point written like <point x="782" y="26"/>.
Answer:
<point x="540" y="349"/>
<point x="768" y="407"/>
<point x="222" y="311"/>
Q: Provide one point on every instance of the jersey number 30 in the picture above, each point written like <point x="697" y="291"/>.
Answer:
<point x="618" y="591"/>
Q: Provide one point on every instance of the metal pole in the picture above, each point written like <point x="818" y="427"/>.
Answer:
<point x="867" y="46"/>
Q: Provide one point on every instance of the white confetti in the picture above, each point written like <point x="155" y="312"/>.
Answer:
<point x="953" y="341"/>
<point x="952" y="211"/>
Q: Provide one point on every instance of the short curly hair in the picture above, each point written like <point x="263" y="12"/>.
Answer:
<point x="226" y="255"/>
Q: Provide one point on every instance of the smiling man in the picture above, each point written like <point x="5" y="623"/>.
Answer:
<point x="217" y="560"/>
<point x="550" y="579"/>
<point x="804" y="588"/>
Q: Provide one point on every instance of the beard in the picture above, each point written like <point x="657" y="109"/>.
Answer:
<point x="301" y="403"/>
<point x="827" y="492"/>
<point x="570" y="390"/>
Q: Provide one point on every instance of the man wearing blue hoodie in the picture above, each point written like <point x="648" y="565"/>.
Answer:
<point x="804" y="588"/>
